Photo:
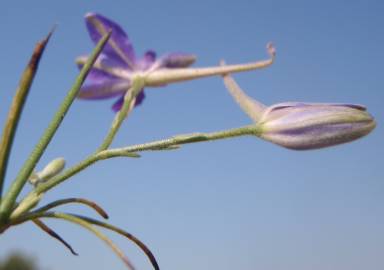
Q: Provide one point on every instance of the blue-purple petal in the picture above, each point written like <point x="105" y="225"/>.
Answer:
<point x="119" y="47"/>
<point x="140" y="97"/>
<point x="102" y="87"/>
<point x="119" y="103"/>
<point x="97" y="74"/>
<point x="106" y="66"/>
<point x="304" y="126"/>
<point x="177" y="60"/>
<point x="147" y="60"/>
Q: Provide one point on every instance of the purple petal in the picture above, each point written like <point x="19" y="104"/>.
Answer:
<point x="107" y="66"/>
<point x="102" y="87"/>
<point x="97" y="74"/>
<point x="119" y="47"/>
<point x="119" y="103"/>
<point x="177" y="60"/>
<point x="304" y="126"/>
<point x="147" y="60"/>
<point x="140" y="97"/>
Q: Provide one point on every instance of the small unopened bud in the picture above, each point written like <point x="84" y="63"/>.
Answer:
<point x="53" y="168"/>
<point x="177" y="60"/>
<point x="303" y="126"/>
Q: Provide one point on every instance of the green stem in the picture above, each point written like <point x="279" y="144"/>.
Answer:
<point x="129" y="103"/>
<point x="30" y="200"/>
<point x="170" y="143"/>
<point x="151" y="146"/>
<point x="17" y="185"/>
<point x="17" y="107"/>
<point x="180" y="139"/>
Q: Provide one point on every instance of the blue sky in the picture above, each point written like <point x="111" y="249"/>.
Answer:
<point x="232" y="204"/>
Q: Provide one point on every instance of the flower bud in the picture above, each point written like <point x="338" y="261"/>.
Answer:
<point x="53" y="168"/>
<point x="304" y="126"/>
<point x="177" y="60"/>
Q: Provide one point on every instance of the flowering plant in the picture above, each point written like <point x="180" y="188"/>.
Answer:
<point x="113" y="70"/>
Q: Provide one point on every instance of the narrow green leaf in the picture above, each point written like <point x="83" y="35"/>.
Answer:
<point x="85" y="224"/>
<point x="126" y="234"/>
<point x="89" y="203"/>
<point x="53" y="234"/>
<point x="17" y="106"/>
<point x="90" y="221"/>
<point x="17" y="185"/>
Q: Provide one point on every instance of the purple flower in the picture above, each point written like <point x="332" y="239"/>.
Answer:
<point x="113" y="70"/>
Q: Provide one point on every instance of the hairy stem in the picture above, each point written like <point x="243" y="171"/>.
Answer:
<point x="129" y="103"/>
<point x="151" y="146"/>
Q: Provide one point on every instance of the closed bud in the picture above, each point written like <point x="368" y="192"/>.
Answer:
<point x="53" y="168"/>
<point x="177" y="60"/>
<point x="304" y="126"/>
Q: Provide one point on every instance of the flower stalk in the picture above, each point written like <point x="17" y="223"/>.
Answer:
<point x="131" y="151"/>
<point x="128" y="105"/>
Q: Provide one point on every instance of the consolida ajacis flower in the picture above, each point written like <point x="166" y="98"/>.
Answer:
<point x="112" y="73"/>
<point x="117" y="66"/>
